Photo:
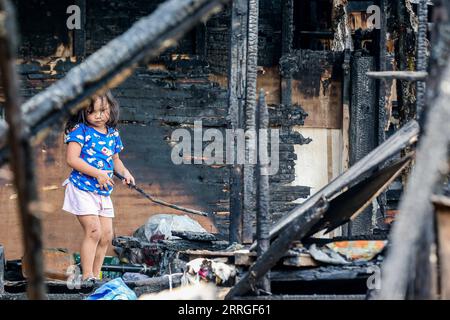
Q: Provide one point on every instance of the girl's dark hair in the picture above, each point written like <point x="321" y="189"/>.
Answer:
<point x="80" y="117"/>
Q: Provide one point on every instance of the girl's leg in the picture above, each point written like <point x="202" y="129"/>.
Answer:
<point x="105" y="241"/>
<point x="92" y="233"/>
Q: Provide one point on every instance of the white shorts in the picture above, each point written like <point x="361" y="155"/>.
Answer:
<point x="80" y="202"/>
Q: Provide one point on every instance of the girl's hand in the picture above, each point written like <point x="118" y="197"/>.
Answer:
<point x="128" y="178"/>
<point x="104" y="180"/>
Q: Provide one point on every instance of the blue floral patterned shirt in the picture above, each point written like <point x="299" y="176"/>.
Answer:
<point x="97" y="149"/>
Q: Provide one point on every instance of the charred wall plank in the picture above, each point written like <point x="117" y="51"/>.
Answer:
<point x="363" y="127"/>
<point x="287" y="34"/>
<point x="237" y="82"/>
<point x="249" y="212"/>
<point x="263" y="218"/>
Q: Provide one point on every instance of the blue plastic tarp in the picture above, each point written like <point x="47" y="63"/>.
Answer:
<point x="113" y="290"/>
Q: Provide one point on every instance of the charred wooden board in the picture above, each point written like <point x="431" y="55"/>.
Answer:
<point x="195" y="236"/>
<point x="181" y="245"/>
<point x="353" y="201"/>
<point x="54" y="296"/>
<point x="242" y="258"/>
<point x="323" y="273"/>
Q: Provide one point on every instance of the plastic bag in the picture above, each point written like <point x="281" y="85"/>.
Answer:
<point x="160" y="226"/>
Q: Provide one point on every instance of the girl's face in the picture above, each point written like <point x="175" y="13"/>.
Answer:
<point x="99" y="115"/>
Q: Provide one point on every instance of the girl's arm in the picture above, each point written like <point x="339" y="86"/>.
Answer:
<point x="73" y="160"/>
<point x="120" y="168"/>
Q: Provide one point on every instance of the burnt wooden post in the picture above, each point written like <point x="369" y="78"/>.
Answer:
<point x="346" y="109"/>
<point x="346" y="118"/>
<point x="79" y="35"/>
<point x="403" y="54"/>
<point x="250" y="123"/>
<point x="287" y="39"/>
<point x="383" y="90"/>
<point x="383" y="86"/>
<point x="423" y="286"/>
<point x="421" y="55"/>
<point x="263" y="193"/>
<point x="2" y="270"/>
<point x="237" y="79"/>
<point x="363" y="119"/>
<point x="23" y="155"/>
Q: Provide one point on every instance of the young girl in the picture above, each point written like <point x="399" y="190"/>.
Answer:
<point x="93" y="154"/>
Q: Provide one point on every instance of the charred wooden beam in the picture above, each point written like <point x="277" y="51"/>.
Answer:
<point x="399" y="75"/>
<point x="421" y="55"/>
<point x="194" y="236"/>
<point x="287" y="39"/>
<point x="358" y="197"/>
<point x="323" y="273"/>
<point x="263" y="220"/>
<point x="346" y="109"/>
<point x="22" y="153"/>
<point x="250" y="123"/>
<point x="424" y="282"/>
<point x="54" y="296"/>
<point x="406" y="136"/>
<point x="346" y="81"/>
<point x="237" y="79"/>
<point x="383" y="90"/>
<point x="287" y="27"/>
<point x="296" y="230"/>
<point x="112" y="64"/>
<point x="362" y="132"/>
<point x="404" y="53"/>
<point x="384" y="86"/>
<point x="155" y="284"/>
